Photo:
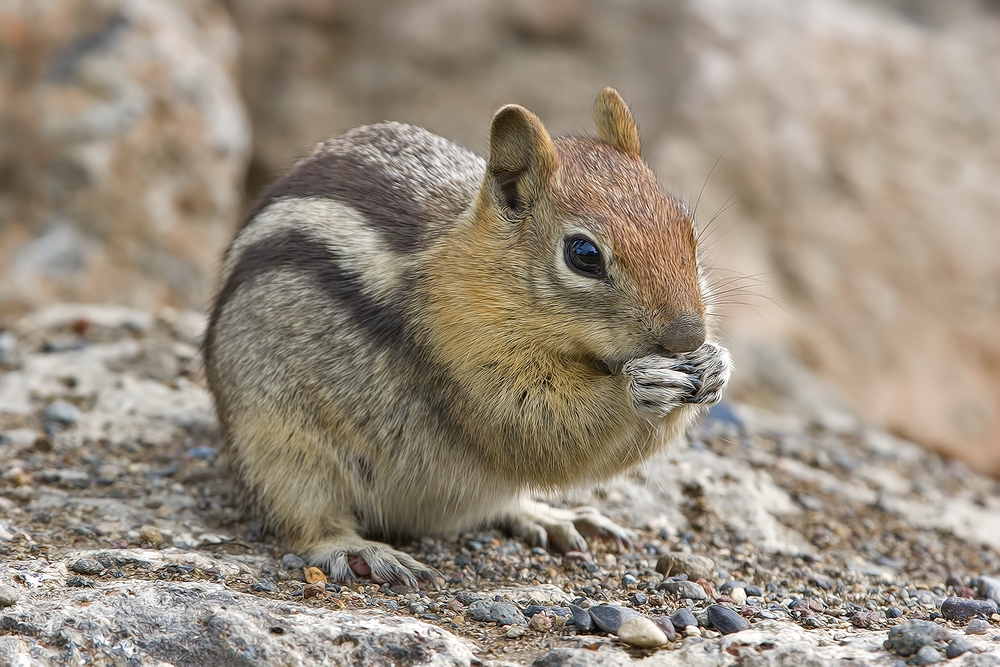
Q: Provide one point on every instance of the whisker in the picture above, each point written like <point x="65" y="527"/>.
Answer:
<point x="694" y="214"/>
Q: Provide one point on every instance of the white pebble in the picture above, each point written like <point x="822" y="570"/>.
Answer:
<point x="739" y="596"/>
<point x="692" y="631"/>
<point x="642" y="632"/>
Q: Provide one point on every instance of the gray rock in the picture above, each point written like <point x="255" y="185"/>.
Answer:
<point x="964" y="609"/>
<point x="8" y="596"/>
<point x="61" y="412"/>
<point x="609" y="617"/>
<point x="694" y="566"/>
<point x="205" y="623"/>
<point x="479" y="610"/>
<point x="292" y="562"/>
<point x="977" y="627"/>
<point x="683" y="618"/>
<point x="87" y="566"/>
<point x="957" y="647"/>
<point x="909" y="637"/>
<point x="725" y="620"/>
<point x="988" y="587"/>
<point x="666" y="625"/>
<point x="927" y="655"/>
<point x="506" y="613"/>
<point x="581" y="619"/>
<point x="642" y="632"/>
<point x="8" y="349"/>
<point x="685" y="590"/>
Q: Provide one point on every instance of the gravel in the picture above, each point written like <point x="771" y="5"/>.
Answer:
<point x="878" y="560"/>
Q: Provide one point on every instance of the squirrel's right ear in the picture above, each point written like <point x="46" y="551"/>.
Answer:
<point x="522" y="157"/>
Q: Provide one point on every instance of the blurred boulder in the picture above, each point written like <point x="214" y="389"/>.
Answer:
<point x="861" y="146"/>
<point x="123" y="147"/>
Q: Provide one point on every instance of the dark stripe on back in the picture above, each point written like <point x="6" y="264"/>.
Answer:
<point x="309" y="255"/>
<point x="362" y="185"/>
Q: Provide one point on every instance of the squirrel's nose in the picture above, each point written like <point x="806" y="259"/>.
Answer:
<point x="685" y="333"/>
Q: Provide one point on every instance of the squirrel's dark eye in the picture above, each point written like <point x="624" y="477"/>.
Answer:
<point x="583" y="257"/>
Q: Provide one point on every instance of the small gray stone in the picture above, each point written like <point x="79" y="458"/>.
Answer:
<point x="8" y="349"/>
<point x="8" y="596"/>
<point x="77" y="581"/>
<point x="468" y="597"/>
<point x="682" y="618"/>
<point x="988" y="587"/>
<point x="964" y="609"/>
<point x="87" y="566"/>
<point x="581" y="619"/>
<point x="685" y="590"/>
<point x="666" y="625"/>
<point x="927" y="656"/>
<point x="957" y="647"/>
<point x="642" y="632"/>
<point x="265" y="586"/>
<point x="695" y="567"/>
<point x="609" y="617"/>
<point x="977" y="627"/>
<point x="479" y="610"/>
<point x="292" y="562"/>
<point x="909" y="637"/>
<point x="506" y="613"/>
<point x="725" y="620"/>
<point x="61" y="412"/>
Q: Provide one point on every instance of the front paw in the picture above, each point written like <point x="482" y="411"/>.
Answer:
<point x="713" y="365"/>
<point x="659" y="385"/>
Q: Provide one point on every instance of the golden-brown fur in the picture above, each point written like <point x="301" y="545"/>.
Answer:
<point x="405" y="343"/>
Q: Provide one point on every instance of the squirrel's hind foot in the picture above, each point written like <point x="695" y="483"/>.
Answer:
<point x="538" y="524"/>
<point x="346" y="557"/>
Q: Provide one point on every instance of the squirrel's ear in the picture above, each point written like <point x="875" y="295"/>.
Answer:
<point x="615" y="124"/>
<point x="522" y="157"/>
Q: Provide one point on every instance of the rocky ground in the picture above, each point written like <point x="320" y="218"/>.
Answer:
<point x="766" y="539"/>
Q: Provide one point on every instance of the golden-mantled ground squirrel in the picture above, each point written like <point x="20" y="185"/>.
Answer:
<point x="411" y="340"/>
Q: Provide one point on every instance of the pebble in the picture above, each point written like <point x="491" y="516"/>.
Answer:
<point x="61" y="412"/>
<point x="685" y="590"/>
<point x="479" y="610"/>
<point x="540" y="622"/>
<point x="505" y="613"/>
<point x="152" y="535"/>
<point x="80" y="582"/>
<point x="989" y="587"/>
<point x="609" y="617"/>
<point x="515" y="631"/>
<point x="692" y="631"/>
<point x="292" y="562"/>
<point x="201" y="452"/>
<point x="8" y="596"/>
<point x="639" y="599"/>
<point x="581" y="619"/>
<point x="908" y="638"/>
<point x="87" y="566"/>
<point x="8" y="349"/>
<point x="265" y="586"/>
<point x="739" y="596"/>
<point x="314" y="575"/>
<point x="893" y="612"/>
<point x="957" y="647"/>
<point x="977" y="627"/>
<point x="964" y="609"/>
<point x="927" y="656"/>
<point x="695" y="567"/>
<point x="312" y="590"/>
<point x="642" y="632"/>
<point x="725" y="620"/>
<point x="682" y="618"/>
<point x="666" y="626"/>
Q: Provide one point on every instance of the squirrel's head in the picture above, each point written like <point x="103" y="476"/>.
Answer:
<point x="609" y="257"/>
